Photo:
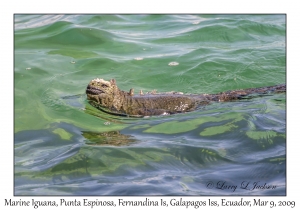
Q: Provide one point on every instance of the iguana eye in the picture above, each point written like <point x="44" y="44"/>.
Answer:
<point x="104" y="85"/>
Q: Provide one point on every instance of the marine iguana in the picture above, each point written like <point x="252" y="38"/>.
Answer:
<point x="106" y="96"/>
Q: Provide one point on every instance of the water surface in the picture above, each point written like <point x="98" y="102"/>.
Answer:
<point x="63" y="146"/>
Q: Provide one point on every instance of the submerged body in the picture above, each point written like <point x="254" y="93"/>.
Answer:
<point x="106" y="96"/>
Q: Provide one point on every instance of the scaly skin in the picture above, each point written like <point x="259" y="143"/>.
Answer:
<point x="106" y="96"/>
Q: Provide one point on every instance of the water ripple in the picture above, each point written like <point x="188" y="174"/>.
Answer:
<point x="63" y="146"/>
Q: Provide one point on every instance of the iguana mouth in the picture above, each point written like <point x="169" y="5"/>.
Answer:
<point x="93" y="90"/>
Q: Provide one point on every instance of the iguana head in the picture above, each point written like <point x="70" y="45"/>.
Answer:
<point x="102" y="92"/>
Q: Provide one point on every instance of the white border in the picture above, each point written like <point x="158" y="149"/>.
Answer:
<point x="154" y="6"/>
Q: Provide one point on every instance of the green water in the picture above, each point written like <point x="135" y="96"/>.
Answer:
<point x="63" y="146"/>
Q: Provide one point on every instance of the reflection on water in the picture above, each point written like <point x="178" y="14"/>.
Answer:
<point x="64" y="146"/>
<point x="113" y="138"/>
